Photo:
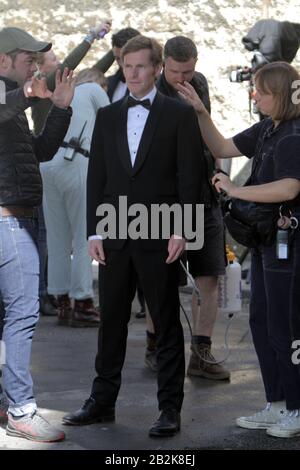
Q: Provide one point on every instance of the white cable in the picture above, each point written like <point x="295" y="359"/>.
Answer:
<point x="230" y="318"/>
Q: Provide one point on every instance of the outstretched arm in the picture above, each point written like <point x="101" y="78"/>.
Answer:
<point x="215" y="141"/>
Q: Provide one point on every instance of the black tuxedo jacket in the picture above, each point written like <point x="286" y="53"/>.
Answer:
<point x="168" y="167"/>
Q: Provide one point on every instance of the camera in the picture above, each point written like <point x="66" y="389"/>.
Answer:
<point x="241" y="74"/>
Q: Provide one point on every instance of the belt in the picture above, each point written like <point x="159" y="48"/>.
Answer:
<point x="77" y="148"/>
<point x="19" y="211"/>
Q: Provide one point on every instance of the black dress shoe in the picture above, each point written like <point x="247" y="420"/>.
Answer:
<point x="168" y="424"/>
<point x="90" y="413"/>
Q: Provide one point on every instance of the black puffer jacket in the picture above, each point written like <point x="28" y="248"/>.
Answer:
<point x="20" y="152"/>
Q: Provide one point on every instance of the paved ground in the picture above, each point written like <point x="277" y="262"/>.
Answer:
<point x="62" y="367"/>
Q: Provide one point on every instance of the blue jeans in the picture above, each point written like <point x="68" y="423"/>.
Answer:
<point x="19" y="284"/>
<point x="42" y="246"/>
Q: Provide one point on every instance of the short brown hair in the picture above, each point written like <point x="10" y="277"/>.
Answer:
<point x="181" y="49"/>
<point x="277" y="79"/>
<point x="120" y="38"/>
<point x="142" y="42"/>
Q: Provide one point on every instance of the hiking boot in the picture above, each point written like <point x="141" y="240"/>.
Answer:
<point x="33" y="427"/>
<point x="46" y="306"/>
<point x="64" y="309"/>
<point x="264" y="419"/>
<point x="198" y="367"/>
<point x="85" y="314"/>
<point x="287" y="426"/>
<point x="3" y="409"/>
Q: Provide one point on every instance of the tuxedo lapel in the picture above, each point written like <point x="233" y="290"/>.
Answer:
<point x="148" y="132"/>
<point x="121" y="138"/>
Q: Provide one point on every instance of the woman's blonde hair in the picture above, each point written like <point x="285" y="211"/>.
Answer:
<point x="92" y="75"/>
<point x="277" y="79"/>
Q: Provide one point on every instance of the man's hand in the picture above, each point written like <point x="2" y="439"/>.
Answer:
<point x="104" y="26"/>
<point x="176" y="247"/>
<point x="64" y="88"/>
<point x="96" y="251"/>
<point x="37" y="88"/>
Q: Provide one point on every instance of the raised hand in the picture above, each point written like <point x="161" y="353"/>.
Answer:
<point x="64" y="88"/>
<point x="188" y="93"/>
<point x="101" y="29"/>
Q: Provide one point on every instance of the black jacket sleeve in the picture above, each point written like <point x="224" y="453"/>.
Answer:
<point x="15" y="102"/>
<point x="96" y="177"/>
<point x="48" y="142"/>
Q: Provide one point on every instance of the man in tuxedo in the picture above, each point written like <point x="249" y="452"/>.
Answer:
<point x="116" y="88"/>
<point x="148" y="148"/>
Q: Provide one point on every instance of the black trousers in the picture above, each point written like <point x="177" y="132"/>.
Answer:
<point x="274" y="298"/>
<point x="117" y="285"/>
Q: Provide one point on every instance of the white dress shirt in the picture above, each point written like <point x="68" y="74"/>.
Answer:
<point x="136" y="121"/>
<point x="119" y="92"/>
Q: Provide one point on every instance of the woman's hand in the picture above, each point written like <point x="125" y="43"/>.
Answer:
<point x="188" y="93"/>
<point x="223" y="183"/>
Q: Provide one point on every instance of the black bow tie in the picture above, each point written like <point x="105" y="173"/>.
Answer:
<point x="133" y="102"/>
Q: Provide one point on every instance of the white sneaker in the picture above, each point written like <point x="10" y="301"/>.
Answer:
<point x="265" y="418"/>
<point x="288" y="426"/>
<point x="33" y="427"/>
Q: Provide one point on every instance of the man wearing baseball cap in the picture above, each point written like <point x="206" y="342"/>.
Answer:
<point x="16" y="38"/>
<point x="20" y="195"/>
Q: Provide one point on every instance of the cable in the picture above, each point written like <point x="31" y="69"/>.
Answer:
<point x="192" y="281"/>
<point x="230" y="318"/>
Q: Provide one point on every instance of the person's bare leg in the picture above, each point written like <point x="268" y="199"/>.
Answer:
<point x="204" y="317"/>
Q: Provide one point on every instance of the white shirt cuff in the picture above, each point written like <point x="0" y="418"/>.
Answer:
<point x="95" y="237"/>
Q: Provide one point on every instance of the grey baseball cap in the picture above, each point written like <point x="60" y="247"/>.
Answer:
<point x="16" y="38"/>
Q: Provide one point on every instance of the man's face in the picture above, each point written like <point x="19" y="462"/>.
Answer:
<point x="50" y="63"/>
<point x="22" y="67"/>
<point x="117" y="55"/>
<point x="139" y="72"/>
<point x="179" y="72"/>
